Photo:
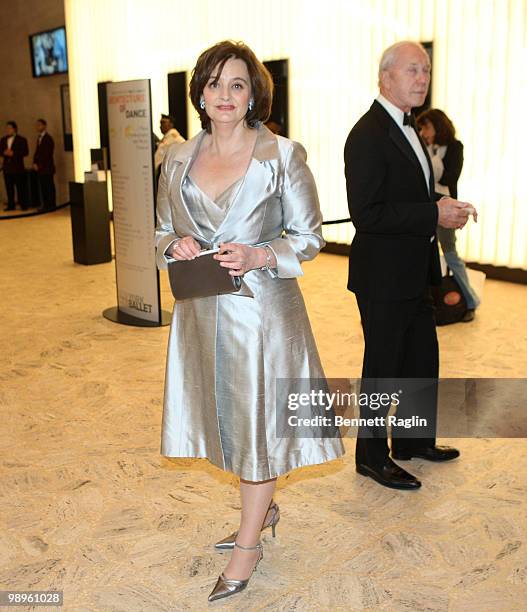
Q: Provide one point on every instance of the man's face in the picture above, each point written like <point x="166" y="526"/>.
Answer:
<point x="165" y="125"/>
<point x="406" y="82"/>
<point x="40" y="127"/>
<point x="10" y="130"/>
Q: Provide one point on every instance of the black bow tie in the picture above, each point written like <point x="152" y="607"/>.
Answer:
<point x="409" y="119"/>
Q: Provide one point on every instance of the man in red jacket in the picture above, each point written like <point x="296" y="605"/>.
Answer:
<point x="13" y="149"/>
<point x="44" y="165"/>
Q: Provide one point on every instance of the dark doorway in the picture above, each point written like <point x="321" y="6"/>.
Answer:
<point x="178" y="101"/>
<point x="279" y="70"/>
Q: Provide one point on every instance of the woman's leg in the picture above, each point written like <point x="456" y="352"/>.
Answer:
<point x="447" y="239"/>
<point x="459" y="270"/>
<point x="256" y="497"/>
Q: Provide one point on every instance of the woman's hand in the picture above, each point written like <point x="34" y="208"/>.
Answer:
<point x="184" y="248"/>
<point x="241" y="258"/>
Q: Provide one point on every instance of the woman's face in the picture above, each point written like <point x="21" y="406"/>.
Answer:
<point x="227" y="97"/>
<point x="428" y="133"/>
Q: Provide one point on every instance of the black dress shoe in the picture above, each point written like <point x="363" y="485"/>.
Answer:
<point x="469" y="315"/>
<point x="9" y="208"/>
<point x="432" y="453"/>
<point x="389" y="475"/>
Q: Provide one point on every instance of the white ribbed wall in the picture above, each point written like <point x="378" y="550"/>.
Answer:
<point x="333" y="46"/>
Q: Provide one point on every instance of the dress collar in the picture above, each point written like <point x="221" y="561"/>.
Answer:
<point x="265" y="148"/>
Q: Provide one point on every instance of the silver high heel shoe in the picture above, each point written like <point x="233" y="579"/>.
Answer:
<point x="228" y="542"/>
<point x="225" y="587"/>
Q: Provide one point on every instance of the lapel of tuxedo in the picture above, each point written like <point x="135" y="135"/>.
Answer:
<point x="431" y="184"/>
<point x="403" y="144"/>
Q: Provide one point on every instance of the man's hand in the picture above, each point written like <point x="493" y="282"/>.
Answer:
<point x="453" y="214"/>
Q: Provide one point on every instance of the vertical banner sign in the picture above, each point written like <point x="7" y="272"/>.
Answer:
<point x="131" y="150"/>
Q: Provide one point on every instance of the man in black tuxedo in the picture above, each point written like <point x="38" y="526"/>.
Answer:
<point x="13" y="148"/>
<point x="44" y="165"/>
<point x="393" y="260"/>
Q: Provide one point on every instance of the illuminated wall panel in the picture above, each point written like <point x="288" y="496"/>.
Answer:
<point x="333" y="47"/>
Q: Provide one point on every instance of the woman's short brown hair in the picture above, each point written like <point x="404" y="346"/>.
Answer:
<point x="445" y="130"/>
<point x="261" y="80"/>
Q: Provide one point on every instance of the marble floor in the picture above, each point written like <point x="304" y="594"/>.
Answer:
<point x="88" y="505"/>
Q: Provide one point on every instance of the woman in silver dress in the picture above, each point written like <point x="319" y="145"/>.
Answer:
<point x="234" y="359"/>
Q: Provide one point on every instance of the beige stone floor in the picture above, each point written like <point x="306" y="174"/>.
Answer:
<point x="89" y="506"/>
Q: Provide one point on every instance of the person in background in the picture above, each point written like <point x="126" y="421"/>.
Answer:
<point x="13" y="148"/>
<point x="44" y="166"/>
<point x="170" y="136"/>
<point x="446" y="154"/>
<point x="393" y="260"/>
<point x="274" y="126"/>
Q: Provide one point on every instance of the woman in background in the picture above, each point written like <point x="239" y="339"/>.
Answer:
<point x="235" y="359"/>
<point x="446" y="154"/>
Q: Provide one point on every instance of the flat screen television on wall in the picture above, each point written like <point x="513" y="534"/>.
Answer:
<point x="48" y="52"/>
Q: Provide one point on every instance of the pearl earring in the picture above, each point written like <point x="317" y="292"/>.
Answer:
<point x="251" y="104"/>
<point x="202" y="104"/>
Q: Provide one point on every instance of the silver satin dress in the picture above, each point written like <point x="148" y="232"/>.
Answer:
<point x="225" y="353"/>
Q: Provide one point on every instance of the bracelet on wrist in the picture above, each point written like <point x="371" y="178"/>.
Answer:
<point x="268" y="258"/>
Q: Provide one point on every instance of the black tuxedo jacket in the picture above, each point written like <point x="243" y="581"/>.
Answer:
<point x="44" y="155"/>
<point x="391" y="256"/>
<point x="14" y="164"/>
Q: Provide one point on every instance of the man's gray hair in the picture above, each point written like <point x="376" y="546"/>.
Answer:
<point x="390" y="55"/>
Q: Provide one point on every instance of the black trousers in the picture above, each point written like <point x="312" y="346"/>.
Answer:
<point x="47" y="190"/>
<point x="12" y="181"/>
<point x="400" y="343"/>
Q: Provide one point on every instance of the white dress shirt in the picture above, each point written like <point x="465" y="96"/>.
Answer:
<point x="10" y="141"/>
<point x="398" y="116"/>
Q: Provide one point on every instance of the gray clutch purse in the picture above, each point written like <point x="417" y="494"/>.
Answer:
<point x="201" y="277"/>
